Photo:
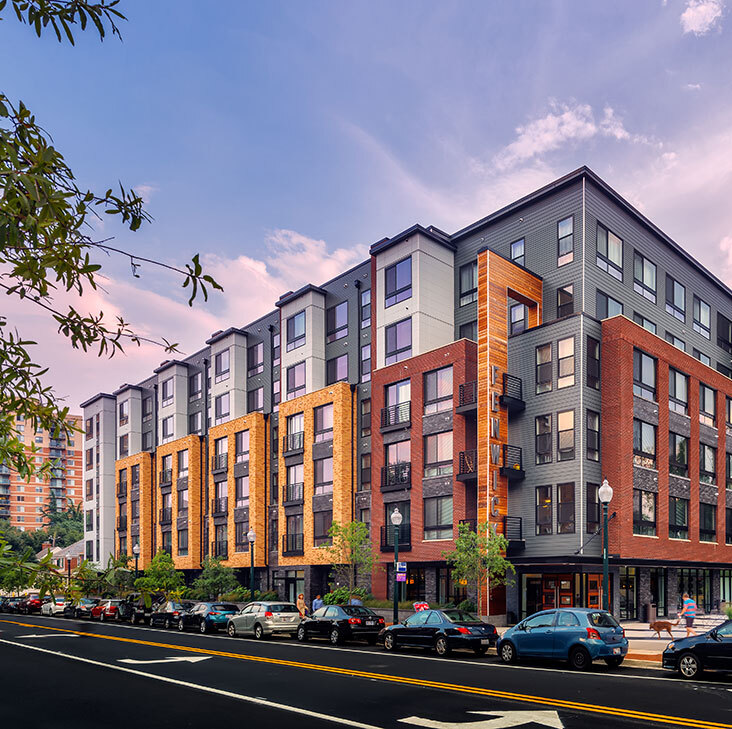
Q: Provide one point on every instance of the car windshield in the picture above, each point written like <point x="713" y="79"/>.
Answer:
<point x="602" y="620"/>
<point x="224" y="608"/>
<point x="88" y="601"/>
<point x="284" y="607"/>
<point x="460" y="616"/>
<point x="357" y="610"/>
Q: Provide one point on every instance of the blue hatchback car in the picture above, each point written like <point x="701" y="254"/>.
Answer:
<point x="577" y="635"/>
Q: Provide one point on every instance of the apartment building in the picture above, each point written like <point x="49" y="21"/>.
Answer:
<point x="22" y="501"/>
<point x="493" y="375"/>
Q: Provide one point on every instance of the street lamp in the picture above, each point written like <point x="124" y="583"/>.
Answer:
<point x="251" y="536"/>
<point x="136" y="552"/>
<point x="605" y="494"/>
<point x="396" y="520"/>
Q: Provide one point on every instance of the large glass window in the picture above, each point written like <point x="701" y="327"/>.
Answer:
<point x="593" y="363"/>
<point x="678" y="454"/>
<point x="565" y="349"/>
<point x="707" y="405"/>
<point x="675" y="298"/>
<point x="678" y="518"/>
<point x="644" y="444"/>
<point x="644" y="512"/>
<point x="609" y="252"/>
<point x="543" y="516"/>
<point x="398" y="341"/>
<point x="593" y="435"/>
<point x="606" y="306"/>
<point x="398" y="282"/>
<point x="469" y="331"/>
<point x="438" y="390"/>
<point x="124" y="412"/>
<point x="438" y="517"/>
<point x="644" y="277"/>
<point x="336" y="322"/>
<point x="296" y="331"/>
<point x="543" y="442"/>
<point x="295" y="381"/>
<point x="323" y="475"/>
<point x="565" y="435"/>
<point x="195" y="422"/>
<point x="221" y="366"/>
<point x="702" y="322"/>
<point x="518" y="252"/>
<point x="565" y="300"/>
<point x="365" y="362"/>
<point x="366" y="418"/>
<point x="221" y="408"/>
<point x="183" y="463"/>
<point x="195" y="386"/>
<point x="703" y="358"/>
<point x="565" y="508"/>
<point x="255" y="359"/>
<point x="336" y="369"/>
<point x="294" y="485"/>
<point x="241" y="446"/>
<point x="565" y="241"/>
<point x="438" y="454"/>
<point x="593" y="508"/>
<point x="396" y="453"/>
<point x="644" y="375"/>
<point x="707" y="464"/>
<point x="322" y="522"/>
<point x="724" y="332"/>
<point x="671" y="338"/>
<point x="728" y="478"/>
<point x="647" y="324"/>
<point x="241" y="491"/>
<point x="707" y="522"/>
<point x="255" y="400"/>
<point x="365" y="308"/>
<point x="517" y="317"/>
<point x="276" y="349"/>
<point x="167" y="424"/>
<point x="323" y="423"/>
<point x="166" y="392"/>
<point x="678" y="391"/>
<point x="468" y="283"/>
<point x="543" y="368"/>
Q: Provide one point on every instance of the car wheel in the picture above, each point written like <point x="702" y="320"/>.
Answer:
<point x="258" y="632"/>
<point x="335" y="636"/>
<point x="133" y="619"/>
<point x="689" y="665"/>
<point x="508" y="652"/>
<point x="302" y="634"/>
<point x="166" y="624"/>
<point x="480" y="651"/>
<point x="579" y="659"/>
<point x="203" y="627"/>
<point x="117" y="617"/>
<point x="231" y="630"/>
<point x="441" y="646"/>
<point x="614" y="661"/>
<point x="390" y="642"/>
<point x="181" y="627"/>
<point x="101" y="617"/>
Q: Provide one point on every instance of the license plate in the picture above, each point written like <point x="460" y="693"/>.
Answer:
<point x="370" y="622"/>
<point x="616" y="651"/>
<point x="484" y="641"/>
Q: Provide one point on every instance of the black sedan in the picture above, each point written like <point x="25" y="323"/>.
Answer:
<point x="690" y="656"/>
<point x="167" y="614"/>
<point x="443" y="630"/>
<point x="9" y="604"/>
<point x="81" y="608"/>
<point x="339" y="623"/>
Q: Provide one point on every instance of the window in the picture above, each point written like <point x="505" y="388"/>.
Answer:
<point x="276" y="397"/>
<point x="644" y="277"/>
<point x="647" y="324"/>
<point x="703" y="358"/>
<point x="364" y="516"/>
<point x="221" y="366"/>
<point x="241" y="446"/>
<point x="565" y="349"/>
<point x="438" y="390"/>
<point x="678" y="454"/>
<point x="438" y="454"/>
<point x="124" y="413"/>
<point x="221" y="408"/>
<point x="438" y="517"/>
<point x="241" y="491"/>
<point x="678" y="343"/>
<point x="729" y="416"/>
<point x="728" y="530"/>
<point x="644" y="513"/>
<point x="89" y="428"/>
<point x="644" y="444"/>
<point x="336" y="322"/>
<point x="702" y="322"/>
<point x="543" y="442"/>
<point x="565" y="301"/>
<point x="609" y="252"/>
<point x="182" y="463"/>
<point x="296" y="331"/>
<point x="593" y="508"/>
<point x="707" y="405"/>
<point x="565" y="435"/>
<point x="398" y="453"/>
<point x="593" y="435"/>
<point x="147" y="407"/>
<point x="167" y="424"/>
<point x="322" y="522"/>
<point x="675" y="298"/>
<point x="543" y="510"/>
<point x="398" y="341"/>
<point x="295" y="381"/>
<point x="518" y="250"/>
<point x="323" y="475"/>
<point x="707" y="522"/>
<point x="195" y="422"/>
<point x="135" y="511"/>
<point x="255" y="400"/>
<point x="726" y="371"/>
<point x="678" y="518"/>
<point x="398" y="282"/>
<point x="565" y="508"/>
<point x="183" y="503"/>
<point x="644" y="375"/>
<point x="365" y="480"/>
<point x="255" y="359"/>
<point x="517" y="316"/>
<point x="724" y="332"/>
<point x="276" y="349"/>
<point x="593" y="363"/>
<point x="365" y="308"/>
<point x="365" y="362"/>
<point x="324" y="423"/>
<point x="728" y="459"/>
<point x="543" y="368"/>
<point x="678" y="391"/>
<point x="195" y="386"/>
<point x="166" y="392"/>
<point x="147" y="440"/>
<point x="469" y="331"/>
<point x="295" y="478"/>
<point x="124" y="447"/>
<point x="606" y="306"/>
<point x="707" y="464"/>
<point x="336" y="369"/>
<point x="565" y="241"/>
<point x="468" y="283"/>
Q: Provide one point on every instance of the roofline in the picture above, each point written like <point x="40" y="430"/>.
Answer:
<point x="292" y="295"/>
<point x="170" y="363"/>
<point x="98" y="396"/>
<point x="126" y="386"/>
<point x="221" y="335"/>
<point x="433" y="233"/>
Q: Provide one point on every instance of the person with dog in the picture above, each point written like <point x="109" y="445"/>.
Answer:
<point x="688" y="612"/>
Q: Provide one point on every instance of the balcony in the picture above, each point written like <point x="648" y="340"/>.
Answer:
<point x="405" y="538"/>
<point x="293" y="492"/>
<point x="472" y="524"/>
<point x="292" y="544"/>
<point x="56" y="443"/>
<point x="166" y="515"/>
<point x="396" y="416"/>
<point x="220" y="462"/>
<point x="4" y="511"/>
<point x="293" y="442"/>
<point x="468" y="465"/>
<point x="513" y="531"/>
<point x="467" y="398"/>
<point x="513" y="394"/>
<point x="220" y="505"/>
<point x="122" y="523"/>
<point x="396" y="476"/>
<point x="512" y="467"/>
<point x="166" y="477"/>
<point x="220" y="549"/>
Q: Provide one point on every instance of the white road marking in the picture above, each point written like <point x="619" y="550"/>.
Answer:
<point x="172" y="659"/>
<point x="207" y="689"/>
<point x="49" y="635"/>
<point x="501" y="720"/>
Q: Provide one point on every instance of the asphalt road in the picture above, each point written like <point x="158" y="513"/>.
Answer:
<point x="68" y="673"/>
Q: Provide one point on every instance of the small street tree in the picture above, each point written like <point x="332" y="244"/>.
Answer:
<point x="215" y="580"/>
<point x="350" y="551"/>
<point x="118" y="576"/>
<point x="479" y="558"/>
<point x="160" y="576"/>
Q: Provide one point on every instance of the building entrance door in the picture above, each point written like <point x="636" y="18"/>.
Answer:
<point x="534" y="599"/>
<point x="594" y="591"/>
<point x="557" y="591"/>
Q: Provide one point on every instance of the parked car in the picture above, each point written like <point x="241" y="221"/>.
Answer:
<point x="53" y="606"/>
<point x="30" y="604"/>
<point x="10" y="604"/>
<point x="106" y="610"/>
<point x="443" y="630"/>
<point x="262" y="619"/>
<point x="166" y="614"/>
<point x="577" y="635"/>
<point x="138" y="608"/>
<point x="339" y="623"/>
<point x="207" y="616"/>
<point x="691" y="656"/>
<point x="80" y="609"/>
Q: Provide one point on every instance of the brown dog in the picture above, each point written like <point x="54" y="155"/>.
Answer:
<point x="660" y="625"/>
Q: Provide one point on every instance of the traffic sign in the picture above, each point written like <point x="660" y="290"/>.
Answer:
<point x="401" y="566"/>
<point x="401" y="577"/>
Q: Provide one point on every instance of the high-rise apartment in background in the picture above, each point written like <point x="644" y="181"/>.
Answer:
<point x="495" y="375"/>
<point x="21" y="501"/>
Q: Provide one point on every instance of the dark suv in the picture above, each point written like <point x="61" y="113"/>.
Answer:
<point x="137" y="608"/>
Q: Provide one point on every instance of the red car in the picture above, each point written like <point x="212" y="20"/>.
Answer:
<point x="30" y="604"/>
<point x="106" y="610"/>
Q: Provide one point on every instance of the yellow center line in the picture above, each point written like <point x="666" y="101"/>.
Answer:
<point x="492" y="693"/>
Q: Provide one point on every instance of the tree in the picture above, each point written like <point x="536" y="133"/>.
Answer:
<point x="47" y="244"/>
<point x="350" y="550"/>
<point x="19" y="570"/>
<point x="480" y="557"/>
<point x="19" y="541"/>
<point x="215" y="580"/>
<point x="64" y="527"/>
<point x="118" y="577"/>
<point x="160" y="576"/>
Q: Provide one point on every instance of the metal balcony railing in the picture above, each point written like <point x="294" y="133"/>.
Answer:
<point x="468" y="394"/>
<point x="219" y="461"/>
<point x="398" y="414"/>
<point x="404" y="536"/>
<point x="513" y="528"/>
<point x="166" y="476"/>
<point x="468" y="463"/>
<point x="166" y="515"/>
<point x="293" y="442"/>
<point x="292" y="544"/>
<point x="513" y="386"/>
<point x="512" y="467"/>
<point x="220" y="505"/>
<point x="293" y="492"/>
<point x="396" y="475"/>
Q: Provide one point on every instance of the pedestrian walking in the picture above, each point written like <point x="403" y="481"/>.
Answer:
<point x="688" y="612"/>
<point x="301" y="606"/>
<point x="317" y="603"/>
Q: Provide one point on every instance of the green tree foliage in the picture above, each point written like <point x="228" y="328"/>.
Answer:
<point x="20" y="571"/>
<point x="64" y="527"/>
<point x="480" y="557"/>
<point x="47" y="243"/>
<point x="350" y="551"/>
<point x="160" y="576"/>
<point x="215" y="580"/>
<point x="19" y="540"/>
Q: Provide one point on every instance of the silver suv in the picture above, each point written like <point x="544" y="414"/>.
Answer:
<point x="262" y="619"/>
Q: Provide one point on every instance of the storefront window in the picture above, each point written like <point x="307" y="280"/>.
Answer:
<point x="628" y="594"/>
<point x="698" y="583"/>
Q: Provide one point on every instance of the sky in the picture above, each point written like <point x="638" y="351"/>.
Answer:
<point x="280" y="139"/>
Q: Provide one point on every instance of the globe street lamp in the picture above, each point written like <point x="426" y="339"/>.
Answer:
<point x="396" y="520"/>
<point x="605" y="494"/>
<point x="251" y="536"/>
<point x="136" y="552"/>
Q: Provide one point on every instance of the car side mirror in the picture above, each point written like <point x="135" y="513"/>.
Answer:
<point x="713" y="634"/>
